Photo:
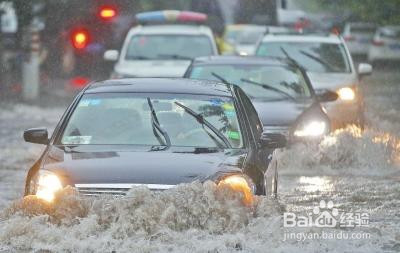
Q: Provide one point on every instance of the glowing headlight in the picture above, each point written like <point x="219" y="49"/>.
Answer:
<point x="47" y="185"/>
<point x="243" y="184"/>
<point x="346" y="93"/>
<point x="312" y="129"/>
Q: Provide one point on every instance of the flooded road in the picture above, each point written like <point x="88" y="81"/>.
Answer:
<point x="358" y="172"/>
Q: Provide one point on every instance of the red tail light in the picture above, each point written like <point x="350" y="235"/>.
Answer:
<point x="349" y="38"/>
<point x="107" y="12"/>
<point x="78" y="82"/>
<point x="378" y="43"/>
<point x="80" y="39"/>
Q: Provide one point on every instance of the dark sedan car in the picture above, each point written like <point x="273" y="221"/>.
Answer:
<point x="279" y="89"/>
<point x="158" y="133"/>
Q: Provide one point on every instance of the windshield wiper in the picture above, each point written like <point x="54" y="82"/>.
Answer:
<point x="156" y="126"/>
<point x="292" y="60"/>
<point x="204" y="122"/>
<point x="220" y="78"/>
<point x="268" y="87"/>
<point x="175" y="56"/>
<point x="320" y="60"/>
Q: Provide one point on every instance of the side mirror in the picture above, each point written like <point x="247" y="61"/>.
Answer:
<point x="37" y="135"/>
<point x="364" y="69"/>
<point x="273" y="140"/>
<point x="326" y="96"/>
<point x="111" y="55"/>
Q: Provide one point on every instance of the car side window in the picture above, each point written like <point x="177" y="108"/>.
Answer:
<point x="252" y="115"/>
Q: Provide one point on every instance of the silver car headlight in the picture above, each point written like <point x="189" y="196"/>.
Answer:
<point x="313" y="128"/>
<point x="46" y="185"/>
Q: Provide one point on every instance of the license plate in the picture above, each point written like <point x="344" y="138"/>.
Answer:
<point x="364" y="41"/>
<point x="394" y="46"/>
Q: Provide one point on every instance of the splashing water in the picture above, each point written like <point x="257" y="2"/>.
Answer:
<point x="142" y="214"/>
<point x="348" y="150"/>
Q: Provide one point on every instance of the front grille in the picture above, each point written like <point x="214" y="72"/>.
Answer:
<point x="115" y="189"/>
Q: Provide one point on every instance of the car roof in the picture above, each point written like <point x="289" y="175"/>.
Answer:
<point x="334" y="39"/>
<point x="236" y="59"/>
<point x="161" y="85"/>
<point x="237" y="27"/>
<point x="172" y="29"/>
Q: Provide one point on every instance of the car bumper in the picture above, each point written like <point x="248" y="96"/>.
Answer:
<point x="383" y="53"/>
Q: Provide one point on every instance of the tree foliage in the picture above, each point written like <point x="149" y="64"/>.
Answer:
<point x="382" y="12"/>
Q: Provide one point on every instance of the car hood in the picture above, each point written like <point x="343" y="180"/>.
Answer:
<point x="140" y="167"/>
<point x="281" y="112"/>
<point x="331" y="81"/>
<point x="153" y="68"/>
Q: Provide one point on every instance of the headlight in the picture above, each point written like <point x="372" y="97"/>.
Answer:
<point x="346" y="94"/>
<point x="47" y="185"/>
<point x="243" y="184"/>
<point x="312" y="129"/>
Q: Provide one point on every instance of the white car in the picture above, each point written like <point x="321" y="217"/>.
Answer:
<point x="329" y="66"/>
<point x="162" y="50"/>
<point x="358" y="37"/>
<point x="250" y="35"/>
<point x="385" y="44"/>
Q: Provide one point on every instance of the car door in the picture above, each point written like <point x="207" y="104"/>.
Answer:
<point x="259" y="157"/>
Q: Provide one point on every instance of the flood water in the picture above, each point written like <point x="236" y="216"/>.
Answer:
<point x="358" y="171"/>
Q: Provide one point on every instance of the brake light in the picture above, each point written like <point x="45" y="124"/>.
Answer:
<point x="107" y="12"/>
<point x="378" y="43"/>
<point x="80" y="39"/>
<point x="349" y="38"/>
<point x="78" y="82"/>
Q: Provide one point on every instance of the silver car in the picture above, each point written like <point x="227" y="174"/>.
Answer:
<point x="330" y="67"/>
<point x="358" y="37"/>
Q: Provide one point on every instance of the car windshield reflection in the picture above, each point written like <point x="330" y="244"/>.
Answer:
<point x="282" y="82"/>
<point x="127" y="119"/>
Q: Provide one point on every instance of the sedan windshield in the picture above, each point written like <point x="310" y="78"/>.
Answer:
<point x="258" y="81"/>
<point x="314" y="56"/>
<point x="148" y="47"/>
<point x="155" y="120"/>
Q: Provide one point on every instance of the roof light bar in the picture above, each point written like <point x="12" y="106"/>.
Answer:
<point x="170" y="16"/>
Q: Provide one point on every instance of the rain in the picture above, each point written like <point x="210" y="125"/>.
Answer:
<point x="352" y="173"/>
